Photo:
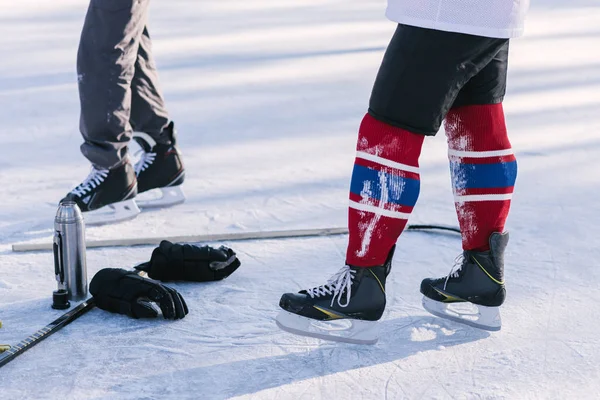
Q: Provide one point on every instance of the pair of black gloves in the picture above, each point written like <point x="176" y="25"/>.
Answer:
<point x="126" y="292"/>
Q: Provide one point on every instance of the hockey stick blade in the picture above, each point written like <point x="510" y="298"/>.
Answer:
<point x="46" y="331"/>
<point x="13" y="351"/>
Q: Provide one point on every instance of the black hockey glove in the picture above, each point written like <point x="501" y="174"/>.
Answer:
<point x="176" y="262"/>
<point x="125" y="292"/>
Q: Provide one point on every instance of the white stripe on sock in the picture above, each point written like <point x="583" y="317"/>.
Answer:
<point x="378" y="210"/>
<point x="386" y="162"/>
<point x="482" y="197"/>
<point x="480" y="154"/>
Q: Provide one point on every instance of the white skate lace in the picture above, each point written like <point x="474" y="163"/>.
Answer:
<point x="146" y="159"/>
<point x="95" y="178"/>
<point x="336" y="285"/>
<point x="455" y="271"/>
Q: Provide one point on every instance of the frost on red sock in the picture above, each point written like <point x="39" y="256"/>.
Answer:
<point x="483" y="169"/>
<point x="383" y="190"/>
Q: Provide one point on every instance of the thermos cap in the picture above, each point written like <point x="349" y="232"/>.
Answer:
<point x="68" y="212"/>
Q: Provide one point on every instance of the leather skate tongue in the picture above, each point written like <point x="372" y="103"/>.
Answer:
<point x="143" y="143"/>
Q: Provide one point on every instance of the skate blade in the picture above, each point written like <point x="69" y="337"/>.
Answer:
<point x="162" y="197"/>
<point x="475" y="315"/>
<point x="348" y="330"/>
<point x="112" y="213"/>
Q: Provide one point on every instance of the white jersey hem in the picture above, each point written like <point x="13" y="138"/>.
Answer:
<point x="507" y="33"/>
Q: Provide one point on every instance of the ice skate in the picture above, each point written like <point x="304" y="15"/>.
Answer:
<point x="106" y="196"/>
<point x="474" y="290"/>
<point x="159" y="171"/>
<point x="345" y="309"/>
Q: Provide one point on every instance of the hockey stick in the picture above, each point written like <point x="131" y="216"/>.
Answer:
<point x="11" y="352"/>
<point x="229" y="237"/>
<point x="433" y="227"/>
<point x="194" y="238"/>
<point x="46" y="331"/>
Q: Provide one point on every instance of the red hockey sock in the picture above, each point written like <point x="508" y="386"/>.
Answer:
<point x="483" y="169"/>
<point x="383" y="190"/>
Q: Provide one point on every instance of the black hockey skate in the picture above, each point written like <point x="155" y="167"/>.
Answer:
<point x="479" y="280"/>
<point x="353" y="296"/>
<point x="106" y="196"/>
<point x="159" y="167"/>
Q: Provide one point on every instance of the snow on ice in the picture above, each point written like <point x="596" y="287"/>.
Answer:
<point x="268" y="96"/>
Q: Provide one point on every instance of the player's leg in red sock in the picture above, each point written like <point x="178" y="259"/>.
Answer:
<point x="483" y="169"/>
<point x="383" y="190"/>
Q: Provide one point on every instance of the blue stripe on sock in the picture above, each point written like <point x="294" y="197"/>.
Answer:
<point x="401" y="191"/>
<point x="483" y="176"/>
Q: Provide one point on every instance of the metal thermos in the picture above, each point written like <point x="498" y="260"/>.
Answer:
<point x="69" y="255"/>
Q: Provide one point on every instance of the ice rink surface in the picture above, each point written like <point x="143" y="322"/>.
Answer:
<point x="267" y="97"/>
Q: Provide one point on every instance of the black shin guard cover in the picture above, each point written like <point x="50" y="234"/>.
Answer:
<point x="177" y="262"/>
<point x="125" y="292"/>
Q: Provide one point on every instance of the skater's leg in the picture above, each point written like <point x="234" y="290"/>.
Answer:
<point x="483" y="170"/>
<point x="383" y="190"/>
<point x="159" y="165"/>
<point x="482" y="163"/>
<point x="106" y="65"/>
<point x="148" y="111"/>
